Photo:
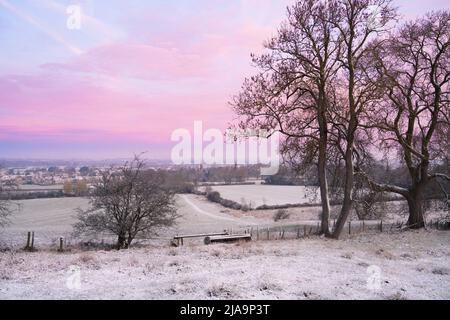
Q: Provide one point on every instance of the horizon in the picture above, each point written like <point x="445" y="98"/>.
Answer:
<point x="131" y="75"/>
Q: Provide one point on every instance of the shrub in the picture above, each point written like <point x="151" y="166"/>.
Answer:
<point x="214" y="196"/>
<point x="130" y="202"/>
<point x="281" y="214"/>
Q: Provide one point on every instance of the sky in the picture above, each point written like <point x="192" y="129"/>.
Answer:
<point x="130" y="73"/>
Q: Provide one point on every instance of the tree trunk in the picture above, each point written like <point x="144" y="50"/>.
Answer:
<point x="416" y="209"/>
<point x="345" y="212"/>
<point x="323" y="184"/>
<point x="322" y="167"/>
<point x="348" y="187"/>
<point x="121" y="242"/>
<point x="130" y="239"/>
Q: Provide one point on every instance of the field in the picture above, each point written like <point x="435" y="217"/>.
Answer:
<point x="48" y="218"/>
<point x="260" y="194"/>
<point x="35" y="187"/>
<point x="408" y="265"/>
<point x="52" y="218"/>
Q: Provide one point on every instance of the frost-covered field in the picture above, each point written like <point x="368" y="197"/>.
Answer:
<point x="409" y="265"/>
<point x="412" y="265"/>
<point x="40" y="187"/>
<point x="48" y="218"/>
<point x="260" y="194"/>
<point x="53" y="218"/>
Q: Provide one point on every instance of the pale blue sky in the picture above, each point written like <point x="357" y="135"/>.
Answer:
<point x="134" y="72"/>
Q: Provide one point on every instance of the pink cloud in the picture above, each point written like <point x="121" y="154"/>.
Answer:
<point x="136" y="60"/>
<point x="137" y="90"/>
<point x="82" y="111"/>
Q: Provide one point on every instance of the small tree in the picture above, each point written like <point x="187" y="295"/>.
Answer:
<point x="81" y="188"/>
<point x="4" y="212"/>
<point x="68" y="187"/>
<point x="128" y="202"/>
<point x="5" y="209"/>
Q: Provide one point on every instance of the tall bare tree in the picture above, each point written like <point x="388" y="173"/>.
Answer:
<point x="128" y="202"/>
<point x="291" y="94"/>
<point x="413" y="117"/>
<point x="358" y="22"/>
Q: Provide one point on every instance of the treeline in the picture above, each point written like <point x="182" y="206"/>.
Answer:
<point x="8" y="195"/>
<point x="186" y="179"/>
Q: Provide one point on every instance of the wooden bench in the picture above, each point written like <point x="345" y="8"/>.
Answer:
<point x="227" y="238"/>
<point x="178" y="239"/>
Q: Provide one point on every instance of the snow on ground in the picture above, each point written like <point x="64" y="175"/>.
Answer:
<point x="52" y="218"/>
<point x="40" y="187"/>
<point x="260" y="194"/>
<point x="48" y="218"/>
<point x="411" y="265"/>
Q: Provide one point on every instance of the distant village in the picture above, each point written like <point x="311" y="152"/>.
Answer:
<point x="46" y="176"/>
<point x="48" y="181"/>
<point x="55" y="174"/>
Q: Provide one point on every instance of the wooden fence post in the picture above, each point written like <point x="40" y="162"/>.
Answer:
<point x="61" y="244"/>
<point x="363" y="226"/>
<point x="257" y="233"/>
<point x="32" y="240"/>
<point x="268" y="235"/>
<point x="28" y="240"/>
<point x="349" y="227"/>
<point x="381" y="225"/>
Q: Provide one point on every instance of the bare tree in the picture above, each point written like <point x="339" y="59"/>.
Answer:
<point x="128" y="202"/>
<point x="5" y="212"/>
<point x="358" y="22"/>
<point x="291" y="94"/>
<point x="413" y="117"/>
<point x="6" y="206"/>
<point x="332" y="73"/>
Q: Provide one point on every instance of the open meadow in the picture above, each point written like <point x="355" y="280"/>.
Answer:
<point x="407" y="265"/>
<point x="363" y="265"/>
<point x="261" y="194"/>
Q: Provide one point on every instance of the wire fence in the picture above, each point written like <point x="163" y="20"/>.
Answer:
<point x="33" y="240"/>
